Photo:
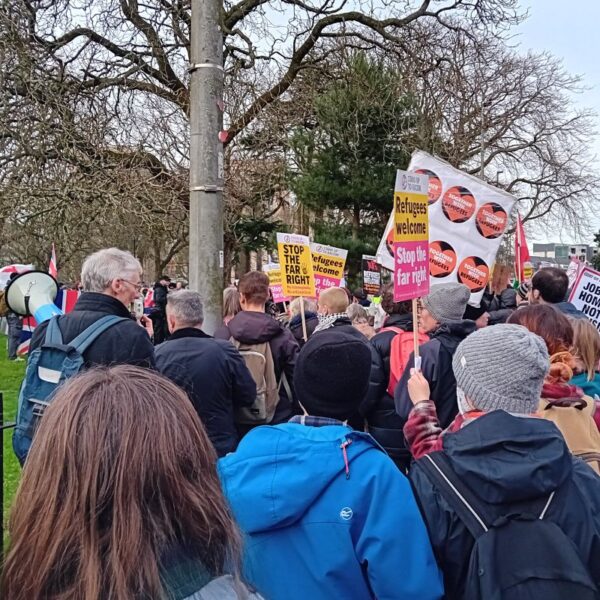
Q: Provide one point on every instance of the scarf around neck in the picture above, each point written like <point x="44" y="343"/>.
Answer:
<point x="327" y="321"/>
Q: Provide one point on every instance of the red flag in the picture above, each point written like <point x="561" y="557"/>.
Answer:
<point x="521" y="250"/>
<point x="52" y="267"/>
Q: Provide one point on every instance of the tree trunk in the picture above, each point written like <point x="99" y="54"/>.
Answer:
<point x="244" y="264"/>
<point x="355" y="222"/>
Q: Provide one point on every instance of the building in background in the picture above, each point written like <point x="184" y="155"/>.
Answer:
<point x="544" y="255"/>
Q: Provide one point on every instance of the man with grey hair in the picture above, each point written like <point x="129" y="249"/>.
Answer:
<point x="111" y="280"/>
<point x="212" y="372"/>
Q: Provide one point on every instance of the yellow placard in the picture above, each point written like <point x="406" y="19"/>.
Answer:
<point x="274" y="276"/>
<point x="329" y="266"/>
<point x="297" y="276"/>
<point x="410" y="217"/>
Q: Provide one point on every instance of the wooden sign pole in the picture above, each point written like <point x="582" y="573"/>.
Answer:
<point x="415" y="312"/>
<point x="303" y="316"/>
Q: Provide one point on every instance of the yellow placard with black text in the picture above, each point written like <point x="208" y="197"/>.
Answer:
<point x="295" y="258"/>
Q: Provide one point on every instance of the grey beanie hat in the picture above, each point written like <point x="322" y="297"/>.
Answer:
<point x="502" y="368"/>
<point x="447" y="301"/>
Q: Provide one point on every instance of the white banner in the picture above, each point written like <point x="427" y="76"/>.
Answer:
<point x="467" y="219"/>
<point x="585" y="294"/>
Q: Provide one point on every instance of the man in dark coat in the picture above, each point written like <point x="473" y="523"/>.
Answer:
<point x="111" y="281"/>
<point x="505" y="457"/>
<point x="550" y="286"/>
<point x="212" y="372"/>
<point x="442" y="319"/>
<point x="385" y="425"/>
<point x="253" y="326"/>
<point x="159" y="316"/>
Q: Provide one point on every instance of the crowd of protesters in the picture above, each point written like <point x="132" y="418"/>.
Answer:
<point x="311" y="455"/>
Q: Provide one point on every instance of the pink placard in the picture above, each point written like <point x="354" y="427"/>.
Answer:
<point x="411" y="273"/>
<point x="324" y="282"/>
<point x="278" y="295"/>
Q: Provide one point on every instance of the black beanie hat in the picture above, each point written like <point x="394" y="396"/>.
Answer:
<point x="332" y="373"/>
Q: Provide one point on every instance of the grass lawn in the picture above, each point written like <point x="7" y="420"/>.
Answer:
<point x="11" y="374"/>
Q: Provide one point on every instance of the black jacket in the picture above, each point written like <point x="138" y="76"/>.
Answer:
<point x="215" y="377"/>
<point x="501" y="306"/>
<point x="504" y="461"/>
<point x="160" y="296"/>
<point x="295" y="325"/>
<point x="257" y="328"/>
<point x="436" y="366"/>
<point x="385" y="425"/>
<point x="123" y="343"/>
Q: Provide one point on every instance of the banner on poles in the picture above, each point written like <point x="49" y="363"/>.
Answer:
<point x="585" y="294"/>
<point x="297" y="276"/>
<point x="328" y="265"/>
<point x="411" y="237"/>
<point x="467" y="219"/>
<point x="273" y="271"/>
<point x="371" y="275"/>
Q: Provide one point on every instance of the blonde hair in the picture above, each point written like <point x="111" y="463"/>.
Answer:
<point x="335" y="299"/>
<point x="586" y="344"/>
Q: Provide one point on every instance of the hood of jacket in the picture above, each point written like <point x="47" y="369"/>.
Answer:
<point x="506" y="459"/>
<point x="297" y="320"/>
<point x="254" y="327"/>
<point x="455" y="329"/>
<point x="404" y="322"/>
<point x="278" y="473"/>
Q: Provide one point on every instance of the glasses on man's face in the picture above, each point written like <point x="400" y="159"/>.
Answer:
<point x="137" y="286"/>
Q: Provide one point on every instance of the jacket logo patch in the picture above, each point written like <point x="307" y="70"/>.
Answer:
<point x="346" y="513"/>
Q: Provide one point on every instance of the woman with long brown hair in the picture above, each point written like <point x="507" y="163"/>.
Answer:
<point x="564" y="404"/>
<point x="120" y="498"/>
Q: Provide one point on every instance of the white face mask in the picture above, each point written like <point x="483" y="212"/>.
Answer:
<point x="464" y="404"/>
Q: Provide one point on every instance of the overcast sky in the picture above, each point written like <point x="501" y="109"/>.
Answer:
<point x="569" y="30"/>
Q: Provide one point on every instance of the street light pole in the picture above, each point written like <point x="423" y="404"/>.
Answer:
<point x="206" y="159"/>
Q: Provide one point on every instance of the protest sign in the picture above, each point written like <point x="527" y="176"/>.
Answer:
<point x="585" y="294"/>
<point x="467" y="220"/>
<point x="411" y="239"/>
<point x="371" y="275"/>
<point x="573" y="270"/>
<point x="328" y="265"/>
<point x="273" y="271"/>
<point x="297" y="277"/>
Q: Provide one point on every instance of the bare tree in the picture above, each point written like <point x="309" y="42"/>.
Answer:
<point x="488" y="109"/>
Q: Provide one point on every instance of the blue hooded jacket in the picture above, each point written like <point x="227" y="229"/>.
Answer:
<point x="327" y="515"/>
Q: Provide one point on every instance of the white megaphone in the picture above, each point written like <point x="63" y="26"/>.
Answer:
<point x="33" y="294"/>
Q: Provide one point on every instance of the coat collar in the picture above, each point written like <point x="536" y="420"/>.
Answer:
<point x="188" y="332"/>
<point x="96" y="301"/>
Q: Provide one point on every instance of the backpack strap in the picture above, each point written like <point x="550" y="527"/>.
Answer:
<point x="286" y="386"/>
<point x="396" y="330"/>
<point x="462" y="500"/>
<point x="84" y="340"/>
<point x="459" y="497"/>
<point x="53" y="333"/>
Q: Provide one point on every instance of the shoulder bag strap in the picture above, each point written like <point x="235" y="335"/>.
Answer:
<point x="53" y="333"/>
<point x="454" y="492"/>
<point x="84" y="340"/>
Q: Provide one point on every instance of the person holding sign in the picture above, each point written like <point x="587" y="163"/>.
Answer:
<point x="441" y="318"/>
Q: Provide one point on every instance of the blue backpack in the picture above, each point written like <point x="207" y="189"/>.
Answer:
<point x="518" y="554"/>
<point x="47" y="368"/>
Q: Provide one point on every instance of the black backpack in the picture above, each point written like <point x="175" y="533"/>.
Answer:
<point x="518" y="555"/>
